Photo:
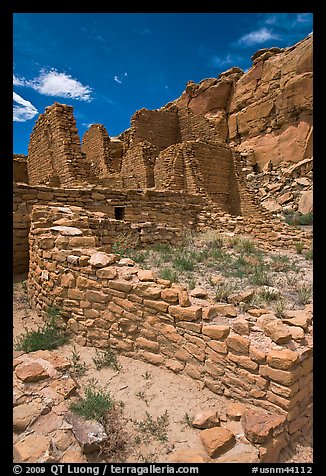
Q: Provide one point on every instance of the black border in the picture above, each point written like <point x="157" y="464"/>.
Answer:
<point x="6" y="346"/>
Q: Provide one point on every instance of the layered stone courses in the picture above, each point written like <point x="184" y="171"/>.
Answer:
<point x="151" y="321"/>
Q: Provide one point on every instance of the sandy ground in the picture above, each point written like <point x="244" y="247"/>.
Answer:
<point x="146" y="390"/>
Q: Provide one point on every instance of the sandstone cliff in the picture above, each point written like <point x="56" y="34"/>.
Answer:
<point x="267" y="111"/>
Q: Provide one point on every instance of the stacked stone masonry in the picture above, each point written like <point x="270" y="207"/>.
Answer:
<point x="177" y="210"/>
<point x="106" y="301"/>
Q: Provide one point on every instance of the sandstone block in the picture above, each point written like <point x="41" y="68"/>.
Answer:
<point x="24" y="414"/>
<point x="235" y="410"/>
<point x="184" y="300"/>
<point x="284" y="377"/>
<point x="157" y="305"/>
<point x="227" y="310"/>
<point x="193" y="371"/>
<point x="174" y="365"/>
<point x="89" y="433"/>
<point x="198" y="292"/>
<point x="146" y="275"/>
<point x="278" y="332"/>
<point x="120" y="285"/>
<point x="282" y="359"/>
<point x="191" y="313"/>
<point x="97" y="296"/>
<point x="205" y="419"/>
<point x="259" y="425"/>
<point x="243" y="296"/>
<point x="216" y="331"/>
<point x="107" y="273"/>
<point x="147" y="344"/>
<point x="238" y="343"/>
<point x="83" y="242"/>
<point x="170" y="295"/>
<point x="101" y="259"/>
<point x="32" y="372"/>
<point x="240" y="453"/>
<point x="217" y="441"/>
<point x="155" y="359"/>
<point x="32" y="448"/>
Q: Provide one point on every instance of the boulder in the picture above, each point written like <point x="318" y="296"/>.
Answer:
<point x="206" y="419"/>
<point x="217" y="441"/>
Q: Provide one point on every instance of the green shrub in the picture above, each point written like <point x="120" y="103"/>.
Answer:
<point x="95" y="405"/>
<point x="183" y="263"/>
<point x="296" y="218"/>
<point x="46" y="337"/>
<point x="106" y="358"/>
<point x="156" y="428"/>
<point x="169" y="274"/>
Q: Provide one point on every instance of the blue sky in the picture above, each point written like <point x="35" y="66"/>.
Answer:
<point x="109" y="65"/>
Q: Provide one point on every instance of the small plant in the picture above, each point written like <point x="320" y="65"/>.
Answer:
<point x="281" y="263"/>
<point x="299" y="247"/>
<point x="296" y="218"/>
<point x="124" y="244"/>
<point x="169" y="274"/>
<point x="222" y="291"/>
<point x="106" y="358"/>
<point x="308" y="254"/>
<point x="191" y="283"/>
<point x="78" y="368"/>
<point x="147" y="375"/>
<point x="268" y="295"/>
<point x="279" y="308"/>
<point x="142" y="396"/>
<point x="140" y="256"/>
<point x="187" y="420"/>
<point x="304" y="292"/>
<point x="260" y="275"/>
<point x="156" y="428"/>
<point x="183" y="263"/>
<point x="24" y="286"/>
<point x="47" y="337"/>
<point x="95" y="405"/>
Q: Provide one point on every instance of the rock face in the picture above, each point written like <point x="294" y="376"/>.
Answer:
<point x="268" y="109"/>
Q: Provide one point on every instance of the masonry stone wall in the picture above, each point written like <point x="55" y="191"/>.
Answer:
<point x="198" y="168"/>
<point x="20" y="168"/>
<point x="137" y="170"/>
<point x="195" y="127"/>
<point x="54" y="150"/>
<point x="172" y="208"/>
<point x="159" y="127"/>
<point x="96" y="146"/>
<point x="147" y="318"/>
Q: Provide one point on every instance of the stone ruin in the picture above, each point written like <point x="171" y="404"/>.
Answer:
<point x="173" y="170"/>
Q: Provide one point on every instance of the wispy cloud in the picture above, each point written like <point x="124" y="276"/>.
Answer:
<point x="24" y="111"/>
<point x="19" y="81"/>
<point x="118" y="78"/>
<point x="259" y="36"/>
<point x="53" y="83"/>
<point x="227" y="60"/>
<point x="88" y="125"/>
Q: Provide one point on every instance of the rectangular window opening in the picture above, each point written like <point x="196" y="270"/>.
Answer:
<point x="119" y="213"/>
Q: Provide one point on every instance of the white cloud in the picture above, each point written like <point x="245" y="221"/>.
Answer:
<point x="303" y="17"/>
<point x="19" y="81"/>
<point x="227" y="60"/>
<point x="118" y="79"/>
<point x="258" y="36"/>
<point x="88" y="125"/>
<point x="24" y="111"/>
<point x="53" y="83"/>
